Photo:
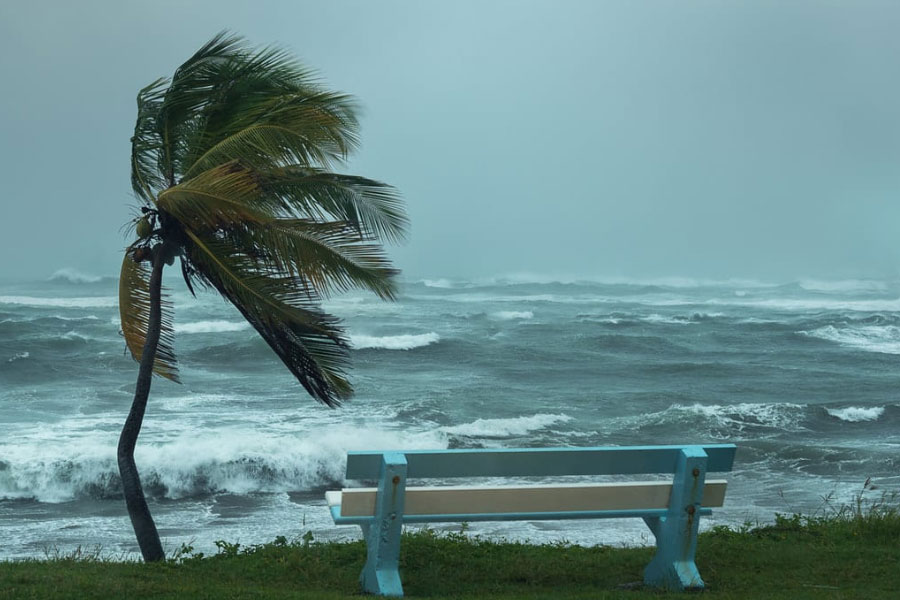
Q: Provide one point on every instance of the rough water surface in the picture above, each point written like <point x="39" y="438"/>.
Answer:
<point x="804" y="377"/>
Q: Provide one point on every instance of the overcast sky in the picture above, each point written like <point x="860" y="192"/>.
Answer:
<point x="599" y="139"/>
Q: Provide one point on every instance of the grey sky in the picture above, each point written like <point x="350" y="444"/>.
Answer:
<point x="630" y="139"/>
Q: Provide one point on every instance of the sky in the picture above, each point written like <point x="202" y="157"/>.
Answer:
<point x="636" y="139"/>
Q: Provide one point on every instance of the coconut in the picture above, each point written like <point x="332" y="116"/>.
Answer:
<point x="143" y="228"/>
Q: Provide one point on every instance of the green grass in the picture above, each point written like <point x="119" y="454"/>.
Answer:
<point x="853" y="552"/>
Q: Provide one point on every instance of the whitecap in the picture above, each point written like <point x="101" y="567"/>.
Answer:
<point x="74" y="276"/>
<point x="85" y="302"/>
<point x="842" y="286"/>
<point x="19" y="356"/>
<point x="509" y="315"/>
<point x="506" y="427"/>
<point x="735" y="417"/>
<point x="211" y="326"/>
<point x="190" y="462"/>
<point x="884" y="339"/>
<point x="855" y="414"/>
<point x="393" y="342"/>
<point x="437" y="283"/>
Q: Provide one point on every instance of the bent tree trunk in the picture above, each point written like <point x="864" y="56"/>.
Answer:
<point x="138" y="511"/>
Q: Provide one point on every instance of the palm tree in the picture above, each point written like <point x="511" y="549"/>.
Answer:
<point x="231" y="162"/>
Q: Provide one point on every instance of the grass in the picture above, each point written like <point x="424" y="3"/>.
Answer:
<point x="847" y="552"/>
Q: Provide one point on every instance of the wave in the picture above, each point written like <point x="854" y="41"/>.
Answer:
<point x="525" y="278"/>
<point x="19" y="356"/>
<point x="725" y="420"/>
<point x="842" y="286"/>
<point x="509" y="315"/>
<point x="808" y="304"/>
<point x="492" y="428"/>
<point x="211" y="326"/>
<point x="883" y="339"/>
<point x="71" y="275"/>
<point x="679" y="319"/>
<point x="393" y="342"/>
<point x="856" y="414"/>
<point x="84" y="302"/>
<point x="437" y="283"/>
<point x="238" y="461"/>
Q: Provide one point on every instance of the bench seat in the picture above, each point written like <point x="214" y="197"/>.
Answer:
<point x="354" y="506"/>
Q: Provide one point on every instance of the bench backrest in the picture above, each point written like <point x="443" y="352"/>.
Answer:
<point x="539" y="462"/>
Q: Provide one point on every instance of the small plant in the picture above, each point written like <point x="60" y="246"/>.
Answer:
<point x="227" y="549"/>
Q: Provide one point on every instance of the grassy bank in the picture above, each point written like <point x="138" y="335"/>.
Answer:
<point x="844" y="555"/>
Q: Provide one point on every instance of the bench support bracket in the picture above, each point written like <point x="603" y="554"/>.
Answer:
<point x="380" y="575"/>
<point x="673" y="566"/>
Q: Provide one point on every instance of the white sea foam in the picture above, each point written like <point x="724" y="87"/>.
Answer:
<point x="211" y="326"/>
<point x="806" y="304"/>
<point x="19" y="356"/>
<point x="663" y="319"/>
<point x="506" y="427"/>
<point x="736" y="417"/>
<point x="884" y="339"/>
<point x="394" y="342"/>
<point x="85" y="302"/>
<point x="437" y="283"/>
<point x="238" y="459"/>
<point x="856" y="414"/>
<point x="509" y="315"/>
<point x="843" y="286"/>
<point x="74" y="276"/>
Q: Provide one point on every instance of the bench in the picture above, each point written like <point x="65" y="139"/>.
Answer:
<point x="671" y="509"/>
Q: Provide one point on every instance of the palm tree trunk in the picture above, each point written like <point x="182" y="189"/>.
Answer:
<point x="138" y="511"/>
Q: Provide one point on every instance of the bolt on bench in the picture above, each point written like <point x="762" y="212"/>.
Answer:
<point x="671" y="509"/>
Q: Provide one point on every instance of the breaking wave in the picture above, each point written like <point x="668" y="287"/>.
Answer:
<point x="726" y="420"/>
<point x="393" y="342"/>
<point x="211" y="326"/>
<point x="86" y="302"/>
<point x="493" y="428"/>
<point x="71" y="275"/>
<point x="19" y="356"/>
<point x="510" y="315"/>
<point x="199" y="465"/>
<point x="856" y="414"/>
<point x="870" y="338"/>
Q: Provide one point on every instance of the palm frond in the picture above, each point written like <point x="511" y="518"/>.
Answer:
<point x="146" y="142"/>
<point x="277" y="128"/>
<point x="187" y="93"/>
<point x="330" y="256"/>
<point x="373" y="208"/>
<point x="224" y="195"/>
<point x="283" y="310"/>
<point x="134" y="312"/>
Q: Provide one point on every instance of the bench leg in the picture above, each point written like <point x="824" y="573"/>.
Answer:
<point x="380" y="575"/>
<point x="673" y="566"/>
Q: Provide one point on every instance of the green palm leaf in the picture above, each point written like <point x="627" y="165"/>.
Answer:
<point x="283" y="310"/>
<point x="372" y="207"/>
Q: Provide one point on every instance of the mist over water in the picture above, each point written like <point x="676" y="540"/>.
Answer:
<point x="802" y="376"/>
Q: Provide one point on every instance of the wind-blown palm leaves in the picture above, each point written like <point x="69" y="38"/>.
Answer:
<point x="232" y="159"/>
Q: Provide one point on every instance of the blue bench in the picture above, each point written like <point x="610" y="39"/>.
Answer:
<point x="671" y="509"/>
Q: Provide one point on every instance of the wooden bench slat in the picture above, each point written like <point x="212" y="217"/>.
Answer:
<point x="539" y="462"/>
<point x="643" y="495"/>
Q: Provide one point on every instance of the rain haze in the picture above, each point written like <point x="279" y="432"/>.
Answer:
<point x="631" y="223"/>
<point x="582" y="139"/>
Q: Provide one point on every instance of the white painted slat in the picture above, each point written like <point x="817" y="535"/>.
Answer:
<point x="637" y="495"/>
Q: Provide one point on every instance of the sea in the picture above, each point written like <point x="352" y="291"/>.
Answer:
<point x="803" y="376"/>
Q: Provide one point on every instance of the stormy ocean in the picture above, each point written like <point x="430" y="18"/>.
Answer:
<point x="804" y="377"/>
